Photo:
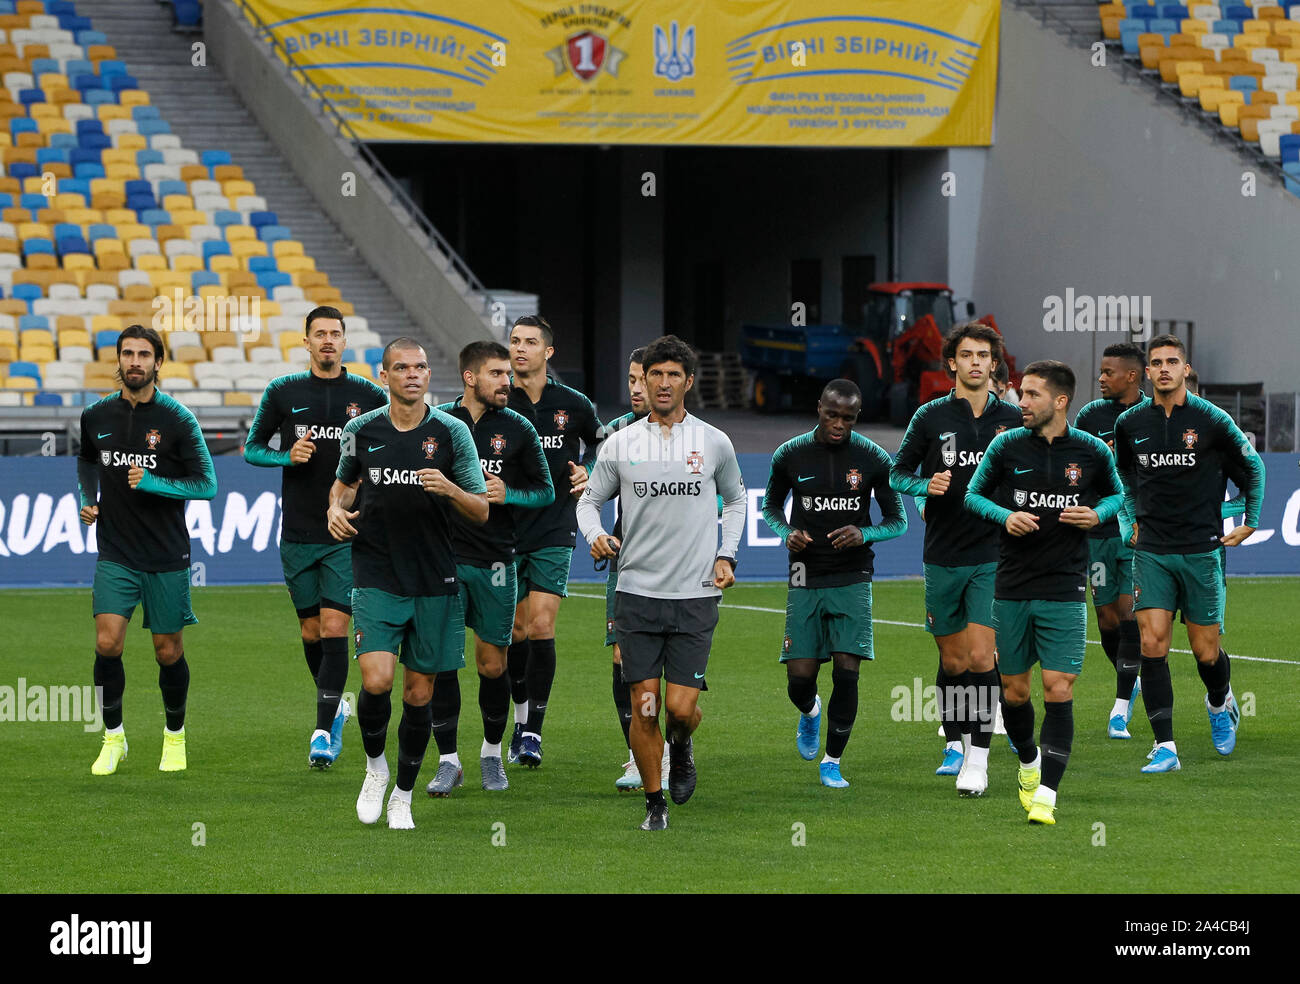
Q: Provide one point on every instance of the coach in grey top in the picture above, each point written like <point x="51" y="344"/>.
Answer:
<point x="668" y="470"/>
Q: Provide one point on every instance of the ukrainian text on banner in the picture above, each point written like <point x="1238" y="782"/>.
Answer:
<point x="821" y="73"/>
<point x="235" y="538"/>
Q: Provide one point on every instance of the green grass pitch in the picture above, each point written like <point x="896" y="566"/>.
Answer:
<point x="759" y="820"/>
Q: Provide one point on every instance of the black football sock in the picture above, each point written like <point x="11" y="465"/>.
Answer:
<point x="373" y="712"/>
<point x="331" y="678"/>
<point x="1057" y="738"/>
<point x="982" y="713"/>
<point x="541" y="674"/>
<point x="494" y="705"/>
<point x="623" y="703"/>
<point x="1216" y="679"/>
<point x="312" y="650"/>
<point x="1020" y="729"/>
<point x="842" y="710"/>
<point x="655" y="799"/>
<point x="412" y="740"/>
<point x="1110" y="644"/>
<point x="1158" y="696"/>
<point x="803" y="692"/>
<point x="517" y="667"/>
<point x="174" y="682"/>
<point x="444" y="711"/>
<point x="111" y="676"/>
<point x="945" y="687"/>
<point x="1128" y="662"/>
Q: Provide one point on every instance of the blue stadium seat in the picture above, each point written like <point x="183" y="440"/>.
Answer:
<point x="272" y="279"/>
<point x="187" y="13"/>
<point x="1237" y="12"/>
<point x="99" y="97"/>
<point x="106" y="336"/>
<point x="23" y="170"/>
<point x="28" y="369"/>
<point x="27" y="292"/>
<point x="202" y="278"/>
<point x="155" y="217"/>
<point x="72" y="244"/>
<point x="43" y="399"/>
<point x="58" y="8"/>
<point x="29" y="322"/>
<point x="6" y="200"/>
<point x="169" y="187"/>
<point x="1174" y="11"/>
<point x="139" y="113"/>
<point x="212" y="158"/>
<point x="78" y="66"/>
<point x="147" y="128"/>
<point x="1289" y="144"/>
<point x="256" y="219"/>
<point x="112" y="66"/>
<point x="63" y="140"/>
<point x="119" y="82"/>
<point x="137" y="187"/>
<point x="349" y="355"/>
<point x="91" y="37"/>
<point x="32" y="246"/>
<point x="143" y="157"/>
<point x="31" y="199"/>
<point x="29" y="97"/>
<point x="1292" y="179"/>
<point x="374" y="354"/>
<point x="226" y="217"/>
<point x="51" y="155"/>
<point x="23" y="124"/>
<point x="88" y="170"/>
<point x="43" y="66"/>
<point x="84" y="155"/>
<point x="263" y="264"/>
<point x="62" y="230"/>
<point x="85" y="81"/>
<point x="94" y="141"/>
<point x="1243" y="83"/>
<point x="1163" y="26"/>
<point x="214" y="247"/>
<point x="101" y="230"/>
<point x="273" y="233"/>
<point x="141" y="202"/>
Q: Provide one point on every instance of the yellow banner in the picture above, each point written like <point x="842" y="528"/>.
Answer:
<point x="820" y="73"/>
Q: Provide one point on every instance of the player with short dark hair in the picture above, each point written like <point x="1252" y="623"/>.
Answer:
<point x="946" y="440"/>
<point x="566" y="422"/>
<point x="1179" y="448"/>
<point x="1110" y="558"/>
<point x="631" y="777"/>
<point x="1045" y="484"/>
<point x="517" y="477"/>
<point x="667" y="469"/>
<point x="416" y="465"/>
<point x="142" y="457"/>
<point x="309" y="411"/>
<point x="833" y="473"/>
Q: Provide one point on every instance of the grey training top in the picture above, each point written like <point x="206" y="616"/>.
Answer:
<point x="668" y="487"/>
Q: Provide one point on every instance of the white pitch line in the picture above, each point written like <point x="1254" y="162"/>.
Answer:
<point x="919" y="625"/>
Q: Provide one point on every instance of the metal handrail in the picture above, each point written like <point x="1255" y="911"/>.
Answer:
<point x="1127" y="70"/>
<point x="399" y="194"/>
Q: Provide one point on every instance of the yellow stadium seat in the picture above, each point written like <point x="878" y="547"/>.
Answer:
<point x="134" y="97"/>
<point x="175" y="370"/>
<point x="138" y="292"/>
<point x="1212" y="97"/>
<point x="190" y="353"/>
<point x="127" y="231"/>
<point x="269" y="309"/>
<point x="79" y="261"/>
<point x="1193" y="25"/>
<point x="245" y="248"/>
<point x="173" y="202"/>
<point x="293" y="264"/>
<point x="212" y="290"/>
<point x="223" y="264"/>
<point x="1255" y="26"/>
<point x="74" y="336"/>
<point x="286" y="247"/>
<point x="20" y="383"/>
<point x="115" y="155"/>
<point x="1246" y="40"/>
<point x="113" y="261"/>
<point x="236" y="233"/>
<point x="106" y="246"/>
<point x="124" y="172"/>
<point x="34" y="230"/>
<point x="131" y="141"/>
<point x="42" y="261"/>
<point x="111" y="111"/>
<point x="35" y="336"/>
<point x="150" y="262"/>
<point x="9" y="336"/>
<point x="106" y="184"/>
<point x="188" y="217"/>
<point x="186" y="264"/>
<point x="53" y="124"/>
<point x="41" y="111"/>
<point x="359" y="369"/>
<point x="233" y="189"/>
<point x="169" y="280"/>
<point x="69" y="199"/>
<point x="289" y="341"/>
<point x="235" y="398"/>
<point x="345" y="309"/>
<point x="36" y="353"/>
<point x="108" y="200"/>
<point x="105" y="322"/>
<point x="82" y="216"/>
<point x="227" y="172"/>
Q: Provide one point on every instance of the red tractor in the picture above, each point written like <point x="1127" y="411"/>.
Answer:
<point x="897" y="361"/>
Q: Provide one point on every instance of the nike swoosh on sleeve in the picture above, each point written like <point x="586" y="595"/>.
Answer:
<point x="1021" y="471"/>
<point x="1139" y="440"/>
<point x="300" y="409"/>
<point x="376" y="447"/>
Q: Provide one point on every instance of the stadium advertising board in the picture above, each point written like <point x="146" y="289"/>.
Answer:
<point x="235" y="537"/>
<point x="815" y="73"/>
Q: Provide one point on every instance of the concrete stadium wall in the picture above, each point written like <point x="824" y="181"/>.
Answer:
<point x="1093" y="185"/>
<point x="384" y="235"/>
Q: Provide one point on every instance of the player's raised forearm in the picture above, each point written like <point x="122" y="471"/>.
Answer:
<point x="588" y="513"/>
<point x="471" y="505"/>
<point x="342" y="495"/>
<point x="87" y="482"/>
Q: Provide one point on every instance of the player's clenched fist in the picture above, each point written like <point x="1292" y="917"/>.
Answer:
<point x="797" y="540"/>
<point x="605" y="547"/>
<point x="89" y="514"/>
<point x="339" y="522"/>
<point x="435" y="482"/>
<point x="134" y="476"/>
<point x="723" y="574"/>
<point x="939" y="483"/>
<point x="1020" y="523"/>
<point x="496" y="489"/>
<point x="301" y="452"/>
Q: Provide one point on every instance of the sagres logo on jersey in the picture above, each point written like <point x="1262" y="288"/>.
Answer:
<point x="498" y="443"/>
<point x="353" y="409"/>
<point x="695" y="462"/>
<point x="106" y="457"/>
<point x="300" y="431"/>
<point x="640" y="489"/>
<point x="375" y="475"/>
<point x="561" y="419"/>
<point x="429" y="447"/>
<point x="1143" y="460"/>
<point x="949" y="450"/>
<point x="1021" y="497"/>
<point x="806" y="501"/>
<point x="1073" y="472"/>
<point x="1189" y="439"/>
<point x="152" y="440"/>
<point x="854" y="478"/>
